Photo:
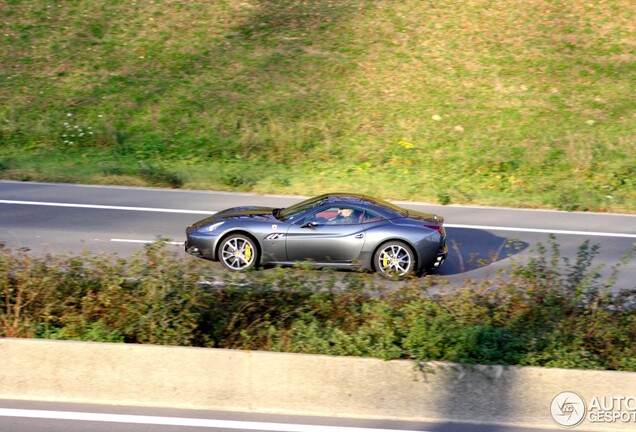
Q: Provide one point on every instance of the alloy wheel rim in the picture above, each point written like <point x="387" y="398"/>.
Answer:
<point x="238" y="253"/>
<point x="395" y="260"/>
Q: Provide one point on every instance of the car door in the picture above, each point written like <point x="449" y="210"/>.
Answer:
<point x="316" y="239"/>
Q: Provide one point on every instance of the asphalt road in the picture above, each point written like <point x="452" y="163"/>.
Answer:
<point x="33" y="416"/>
<point x="71" y="218"/>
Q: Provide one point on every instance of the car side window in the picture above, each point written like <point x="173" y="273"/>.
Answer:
<point x="370" y="216"/>
<point x="342" y="215"/>
<point x="321" y="217"/>
<point x="326" y="215"/>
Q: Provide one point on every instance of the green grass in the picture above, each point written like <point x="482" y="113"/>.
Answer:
<point x="504" y="102"/>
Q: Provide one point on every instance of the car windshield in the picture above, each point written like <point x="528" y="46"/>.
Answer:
<point x="290" y="213"/>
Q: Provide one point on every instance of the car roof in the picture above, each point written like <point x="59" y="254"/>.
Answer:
<point x="342" y="197"/>
<point x="362" y="199"/>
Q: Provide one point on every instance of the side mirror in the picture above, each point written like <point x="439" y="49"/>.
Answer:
<point x="312" y="224"/>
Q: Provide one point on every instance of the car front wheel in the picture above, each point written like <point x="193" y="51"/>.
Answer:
<point x="238" y="253"/>
<point x="394" y="260"/>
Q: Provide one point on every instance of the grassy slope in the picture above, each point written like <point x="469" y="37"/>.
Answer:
<point x="501" y="102"/>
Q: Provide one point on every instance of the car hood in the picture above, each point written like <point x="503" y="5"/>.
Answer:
<point x="245" y="212"/>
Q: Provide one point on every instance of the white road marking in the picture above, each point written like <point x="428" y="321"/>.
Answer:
<point x="106" y="207"/>
<point x="544" y="231"/>
<point x="143" y="241"/>
<point x="164" y="210"/>
<point x="182" y="421"/>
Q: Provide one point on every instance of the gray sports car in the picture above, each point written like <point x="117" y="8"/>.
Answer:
<point x="339" y="230"/>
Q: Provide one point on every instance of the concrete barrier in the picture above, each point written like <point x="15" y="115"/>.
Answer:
<point x="267" y="382"/>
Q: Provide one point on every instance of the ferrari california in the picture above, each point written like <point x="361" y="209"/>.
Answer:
<point x="331" y="230"/>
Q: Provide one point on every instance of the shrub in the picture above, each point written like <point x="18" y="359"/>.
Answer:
<point x="546" y="312"/>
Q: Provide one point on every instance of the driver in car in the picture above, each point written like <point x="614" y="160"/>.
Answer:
<point x="344" y="216"/>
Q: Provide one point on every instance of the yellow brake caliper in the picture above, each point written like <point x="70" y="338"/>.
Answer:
<point x="248" y="252"/>
<point x="385" y="260"/>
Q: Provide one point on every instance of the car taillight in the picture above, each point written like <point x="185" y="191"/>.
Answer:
<point x="437" y="228"/>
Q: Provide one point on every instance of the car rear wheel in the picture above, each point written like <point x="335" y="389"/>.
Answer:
<point x="238" y="253"/>
<point x="394" y="260"/>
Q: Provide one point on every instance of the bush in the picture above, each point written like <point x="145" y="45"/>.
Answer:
<point x="547" y="312"/>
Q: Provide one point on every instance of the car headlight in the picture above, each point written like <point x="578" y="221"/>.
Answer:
<point x="210" y="228"/>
